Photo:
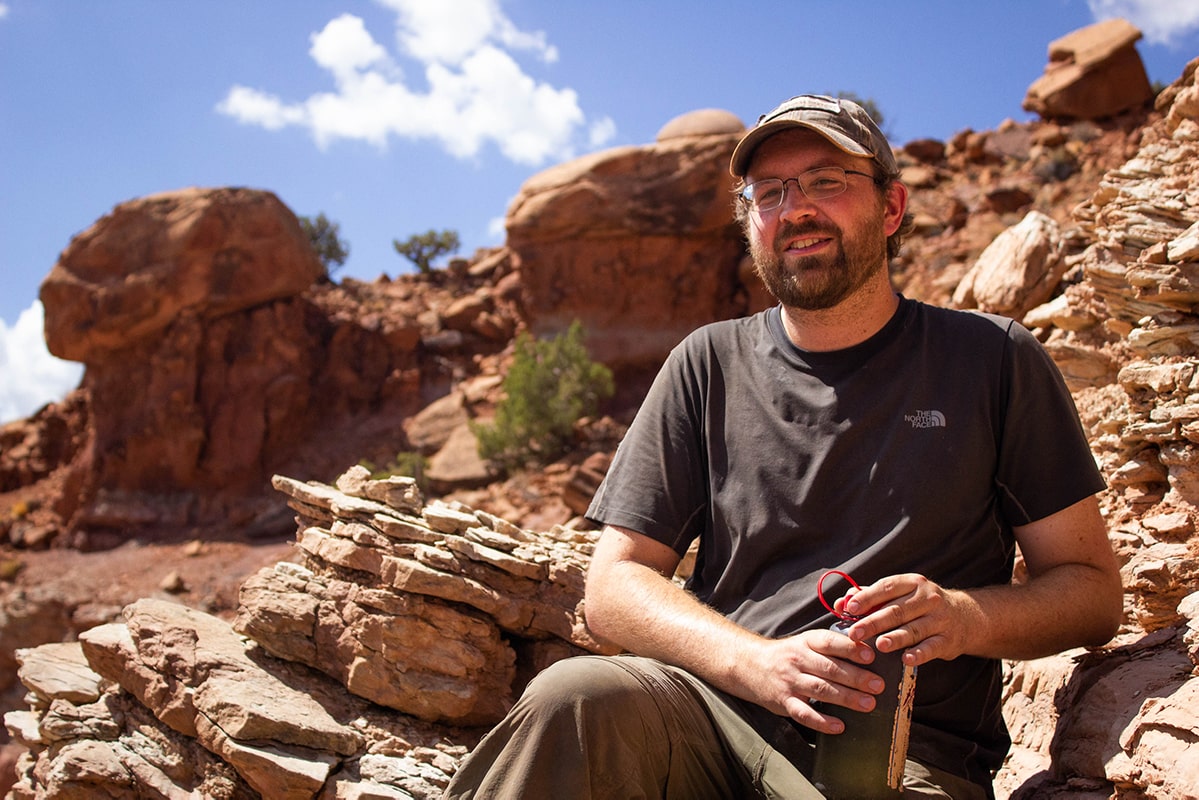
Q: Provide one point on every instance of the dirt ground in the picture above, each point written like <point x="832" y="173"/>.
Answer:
<point x="203" y="575"/>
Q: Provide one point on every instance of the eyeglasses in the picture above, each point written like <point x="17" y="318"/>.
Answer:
<point x="816" y="184"/>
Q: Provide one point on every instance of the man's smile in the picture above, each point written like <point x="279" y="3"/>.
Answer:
<point x="807" y="244"/>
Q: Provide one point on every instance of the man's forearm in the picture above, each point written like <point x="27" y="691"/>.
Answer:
<point x="1073" y="596"/>
<point x="1068" y="606"/>
<point x="637" y="608"/>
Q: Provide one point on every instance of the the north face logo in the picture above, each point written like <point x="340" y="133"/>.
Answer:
<point x="926" y="419"/>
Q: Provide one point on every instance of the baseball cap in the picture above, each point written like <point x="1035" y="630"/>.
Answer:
<point x="843" y="122"/>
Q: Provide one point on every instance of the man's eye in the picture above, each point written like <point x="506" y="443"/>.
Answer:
<point x="769" y="195"/>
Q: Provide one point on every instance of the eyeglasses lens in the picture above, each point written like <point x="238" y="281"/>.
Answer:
<point x="817" y="184"/>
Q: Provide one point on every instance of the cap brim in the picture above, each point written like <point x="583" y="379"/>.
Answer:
<point x="744" y="151"/>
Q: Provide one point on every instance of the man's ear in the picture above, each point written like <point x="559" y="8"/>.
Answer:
<point x="896" y="203"/>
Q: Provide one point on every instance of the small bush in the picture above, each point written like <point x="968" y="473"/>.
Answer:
<point x="422" y="248"/>
<point x="551" y="385"/>
<point x="1056" y="165"/>
<point x="324" y="236"/>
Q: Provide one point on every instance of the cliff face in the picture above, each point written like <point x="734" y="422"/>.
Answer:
<point x="1123" y="718"/>
<point x="369" y="661"/>
<point x="612" y="227"/>
<point x="217" y="354"/>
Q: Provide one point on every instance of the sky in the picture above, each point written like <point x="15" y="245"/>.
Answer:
<point x="393" y="117"/>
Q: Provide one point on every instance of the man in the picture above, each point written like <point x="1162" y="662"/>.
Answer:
<point x="846" y="429"/>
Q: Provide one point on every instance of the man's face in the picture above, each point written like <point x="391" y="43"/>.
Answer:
<point x="814" y="254"/>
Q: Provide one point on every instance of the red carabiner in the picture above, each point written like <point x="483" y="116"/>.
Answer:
<point x="841" y="615"/>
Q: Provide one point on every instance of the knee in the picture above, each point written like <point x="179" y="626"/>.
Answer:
<point x="587" y="721"/>
<point x="590" y="684"/>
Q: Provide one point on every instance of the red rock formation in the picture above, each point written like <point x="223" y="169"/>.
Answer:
<point x="216" y="358"/>
<point x="1092" y="73"/>
<point x="637" y="243"/>
<point x="204" y="252"/>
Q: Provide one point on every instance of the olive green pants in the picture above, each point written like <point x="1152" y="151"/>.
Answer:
<point x="624" y="727"/>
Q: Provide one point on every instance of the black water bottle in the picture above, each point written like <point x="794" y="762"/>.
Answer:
<point x="866" y="761"/>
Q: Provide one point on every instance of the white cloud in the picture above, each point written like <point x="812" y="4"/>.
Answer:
<point x="477" y="92"/>
<point x="29" y="376"/>
<point x="345" y="46"/>
<point x="1162" y="21"/>
<point x="252" y="106"/>
<point x="602" y="131"/>
<point x="448" y="32"/>
<point x="3" y="10"/>
<point x="497" y="229"/>
<point x="493" y="99"/>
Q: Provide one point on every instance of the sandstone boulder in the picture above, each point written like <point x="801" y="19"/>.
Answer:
<point x="1119" y="713"/>
<point x="704" y="122"/>
<point x="1018" y="271"/>
<point x="214" y="360"/>
<point x="190" y="709"/>
<point x="529" y="584"/>
<point x="431" y="428"/>
<point x="458" y="463"/>
<point x="210" y="252"/>
<point x="1093" y="72"/>
<point x="1115" y="721"/>
<point x="332" y="676"/>
<point x="637" y="243"/>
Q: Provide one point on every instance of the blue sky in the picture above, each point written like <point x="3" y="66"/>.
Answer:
<point x="396" y="116"/>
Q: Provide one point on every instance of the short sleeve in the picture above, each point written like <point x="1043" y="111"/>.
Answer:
<point x="1045" y="462"/>
<point x="657" y="483"/>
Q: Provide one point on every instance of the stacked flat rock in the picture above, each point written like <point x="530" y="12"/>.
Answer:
<point x="367" y="670"/>
<point x="416" y="608"/>
<point x="173" y="703"/>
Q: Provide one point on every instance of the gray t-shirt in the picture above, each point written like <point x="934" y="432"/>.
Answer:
<point x="914" y="451"/>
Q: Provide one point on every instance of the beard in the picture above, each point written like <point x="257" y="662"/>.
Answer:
<point x="822" y="281"/>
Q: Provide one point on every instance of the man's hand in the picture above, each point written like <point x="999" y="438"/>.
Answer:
<point x="631" y="602"/>
<point x="911" y="613"/>
<point x="814" y="666"/>
<point x="1072" y="598"/>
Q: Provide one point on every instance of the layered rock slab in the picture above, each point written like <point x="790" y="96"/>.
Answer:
<point x="347" y="675"/>
<point x="416" y="608"/>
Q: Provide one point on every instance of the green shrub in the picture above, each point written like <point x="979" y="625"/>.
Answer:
<point x="551" y="385"/>
<point x="324" y="236"/>
<point x="10" y="568"/>
<point x="422" y="248"/>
